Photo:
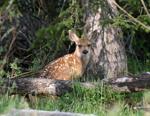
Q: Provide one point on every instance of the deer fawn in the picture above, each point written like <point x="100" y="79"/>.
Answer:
<point x="71" y="65"/>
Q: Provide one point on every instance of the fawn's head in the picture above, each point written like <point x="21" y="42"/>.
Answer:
<point x="83" y="46"/>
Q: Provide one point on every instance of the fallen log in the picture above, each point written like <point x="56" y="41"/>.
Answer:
<point x="129" y="84"/>
<point x="35" y="86"/>
<point x="44" y="86"/>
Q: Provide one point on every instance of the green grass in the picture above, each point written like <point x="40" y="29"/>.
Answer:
<point x="96" y="101"/>
<point x="101" y="100"/>
<point x="9" y="102"/>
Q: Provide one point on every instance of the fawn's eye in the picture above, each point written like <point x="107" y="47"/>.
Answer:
<point x="79" y="46"/>
<point x="89" y="45"/>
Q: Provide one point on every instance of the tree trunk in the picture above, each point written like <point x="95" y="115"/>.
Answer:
<point x="109" y="58"/>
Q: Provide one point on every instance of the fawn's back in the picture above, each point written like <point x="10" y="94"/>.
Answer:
<point x="71" y="65"/>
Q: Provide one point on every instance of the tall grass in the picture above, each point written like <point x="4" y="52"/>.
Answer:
<point x="9" y="102"/>
<point x="99" y="101"/>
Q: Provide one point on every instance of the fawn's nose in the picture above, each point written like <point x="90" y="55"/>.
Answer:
<point x="85" y="52"/>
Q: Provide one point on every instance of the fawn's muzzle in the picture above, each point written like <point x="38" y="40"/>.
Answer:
<point x="85" y="52"/>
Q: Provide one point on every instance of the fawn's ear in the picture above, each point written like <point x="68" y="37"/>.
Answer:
<point x="73" y="36"/>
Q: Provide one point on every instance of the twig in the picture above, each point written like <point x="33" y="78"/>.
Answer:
<point x="7" y="33"/>
<point x="130" y="16"/>
<point x="5" y="59"/>
<point x="27" y="74"/>
<point x="145" y="8"/>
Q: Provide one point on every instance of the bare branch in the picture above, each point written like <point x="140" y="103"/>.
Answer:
<point x="145" y="8"/>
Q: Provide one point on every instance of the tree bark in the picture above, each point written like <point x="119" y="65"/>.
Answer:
<point x="109" y="58"/>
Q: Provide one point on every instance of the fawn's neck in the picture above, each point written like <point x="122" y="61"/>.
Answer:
<point x="84" y="60"/>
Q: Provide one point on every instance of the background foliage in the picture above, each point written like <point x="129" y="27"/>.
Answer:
<point x="136" y="37"/>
